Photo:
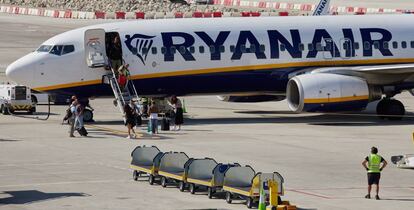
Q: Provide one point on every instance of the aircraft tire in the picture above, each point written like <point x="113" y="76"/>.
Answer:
<point x="391" y="109"/>
<point x="87" y="115"/>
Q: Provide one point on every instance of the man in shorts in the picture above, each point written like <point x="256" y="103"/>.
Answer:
<point x="374" y="164"/>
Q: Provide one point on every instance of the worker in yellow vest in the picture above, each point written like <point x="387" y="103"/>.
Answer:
<point x="374" y="164"/>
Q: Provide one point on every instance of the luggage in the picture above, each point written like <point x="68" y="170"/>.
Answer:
<point x="138" y="120"/>
<point x="165" y="124"/>
<point x="82" y="131"/>
<point x="122" y="80"/>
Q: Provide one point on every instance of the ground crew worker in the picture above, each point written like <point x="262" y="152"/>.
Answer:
<point x="372" y="164"/>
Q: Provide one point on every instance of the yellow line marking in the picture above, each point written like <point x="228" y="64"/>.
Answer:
<point x="335" y="100"/>
<point x="239" y="68"/>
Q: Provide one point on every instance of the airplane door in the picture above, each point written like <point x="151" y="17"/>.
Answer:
<point x="95" y="52"/>
<point x="346" y="49"/>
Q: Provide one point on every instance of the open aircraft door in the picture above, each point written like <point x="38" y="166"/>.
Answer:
<point x="95" y="52"/>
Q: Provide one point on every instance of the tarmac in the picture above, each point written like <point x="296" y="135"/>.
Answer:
<point x="319" y="155"/>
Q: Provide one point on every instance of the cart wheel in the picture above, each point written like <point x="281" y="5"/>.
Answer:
<point x="181" y="186"/>
<point x="151" y="179"/>
<point x="249" y="202"/>
<point x="163" y="182"/>
<point x="192" y="188"/>
<point x="135" y="175"/>
<point x="228" y="197"/>
<point x="210" y="192"/>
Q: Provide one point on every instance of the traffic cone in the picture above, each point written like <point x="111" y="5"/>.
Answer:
<point x="262" y="199"/>
<point x="184" y="109"/>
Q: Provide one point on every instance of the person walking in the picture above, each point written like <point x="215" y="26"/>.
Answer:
<point x="153" y="114"/>
<point x="70" y="116"/>
<point x="79" y="126"/>
<point x="178" y="112"/>
<point x="115" y="54"/>
<point x="129" y="121"/>
<point x="374" y="164"/>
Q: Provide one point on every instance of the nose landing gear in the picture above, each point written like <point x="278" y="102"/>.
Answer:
<point x="391" y="109"/>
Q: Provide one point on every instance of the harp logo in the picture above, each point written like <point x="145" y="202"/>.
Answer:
<point x="139" y="45"/>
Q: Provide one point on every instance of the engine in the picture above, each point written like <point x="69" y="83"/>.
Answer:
<point x="250" y="98"/>
<point x="322" y="92"/>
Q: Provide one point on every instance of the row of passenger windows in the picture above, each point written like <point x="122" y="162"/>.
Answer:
<point x="319" y="47"/>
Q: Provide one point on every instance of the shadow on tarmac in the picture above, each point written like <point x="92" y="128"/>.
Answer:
<point x="31" y="196"/>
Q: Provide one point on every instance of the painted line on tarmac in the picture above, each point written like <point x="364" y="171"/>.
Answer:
<point x="66" y="183"/>
<point x="113" y="131"/>
<point x="311" y="194"/>
<point x="38" y="164"/>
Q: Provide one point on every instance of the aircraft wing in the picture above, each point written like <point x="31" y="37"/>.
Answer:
<point x="376" y="74"/>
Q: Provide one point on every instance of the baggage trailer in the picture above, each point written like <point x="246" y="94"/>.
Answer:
<point x="244" y="183"/>
<point x="206" y="173"/>
<point x="172" y="168"/>
<point x="146" y="160"/>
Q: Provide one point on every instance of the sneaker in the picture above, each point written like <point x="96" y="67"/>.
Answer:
<point x="377" y="197"/>
<point x="128" y="137"/>
<point x="72" y="136"/>
<point x="368" y="196"/>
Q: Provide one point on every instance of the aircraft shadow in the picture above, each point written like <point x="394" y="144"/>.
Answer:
<point x="31" y="196"/>
<point x="321" y="120"/>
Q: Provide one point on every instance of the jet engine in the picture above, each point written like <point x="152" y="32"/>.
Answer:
<point x="250" y="98"/>
<point x="322" y="92"/>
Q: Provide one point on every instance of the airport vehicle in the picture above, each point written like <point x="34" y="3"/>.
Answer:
<point x="172" y="169"/>
<point x="146" y="160"/>
<point x="15" y="98"/>
<point x="244" y="182"/>
<point x="319" y="63"/>
<point x="403" y="161"/>
<point x="206" y="173"/>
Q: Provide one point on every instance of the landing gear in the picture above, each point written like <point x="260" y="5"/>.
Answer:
<point x="391" y="109"/>
<point x="88" y="115"/>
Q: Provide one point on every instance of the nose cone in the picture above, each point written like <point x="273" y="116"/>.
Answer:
<point x="22" y="70"/>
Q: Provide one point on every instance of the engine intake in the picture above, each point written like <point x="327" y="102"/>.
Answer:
<point x="324" y="92"/>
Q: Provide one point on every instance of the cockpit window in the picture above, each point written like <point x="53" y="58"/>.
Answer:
<point x="56" y="50"/>
<point x="68" y="49"/>
<point x="44" y="48"/>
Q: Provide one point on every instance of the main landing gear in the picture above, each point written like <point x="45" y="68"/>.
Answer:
<point x="391" y="109"/>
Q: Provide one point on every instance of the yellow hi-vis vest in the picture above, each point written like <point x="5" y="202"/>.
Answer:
<point x="374" y="162"/>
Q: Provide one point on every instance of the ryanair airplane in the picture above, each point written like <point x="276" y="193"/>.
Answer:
<point x="318" y="63"/>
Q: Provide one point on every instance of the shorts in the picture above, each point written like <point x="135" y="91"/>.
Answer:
<point x="373" y="178"/>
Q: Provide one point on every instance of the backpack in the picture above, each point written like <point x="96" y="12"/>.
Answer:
<point x="68" y="114"/>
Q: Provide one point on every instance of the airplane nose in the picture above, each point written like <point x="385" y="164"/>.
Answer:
<point x="20" y="70"/>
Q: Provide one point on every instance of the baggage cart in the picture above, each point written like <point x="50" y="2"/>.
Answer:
<point x="146" y="160"/>
<point x="206" y="173"/>
<point x="244" y="183"/>
<point x="172" y="169"/>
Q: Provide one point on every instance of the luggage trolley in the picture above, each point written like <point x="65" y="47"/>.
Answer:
<point x="146" y="160"/>
<point x="244" y="183"/>
<point x="172" y="168"/>
<point x="206" y="173"/>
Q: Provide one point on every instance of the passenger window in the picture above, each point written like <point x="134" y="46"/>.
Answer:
<point x="173" y="50"/>
<point x="154" y="50"/>
<point x="262" y="48"/>
<point x="282" y="47"/>
<point x="212" y="49"/>
<point x="68" y="49"/>
<point x="56" y="50"/>
<point x="201" y="49"/>
<point x="310" y="47"/>
<point x="222" y="49"/>
<point x="376" y="45"/>
<point x="163" y="50"/>
<point x="386" y="45"/>
<point x="367" y="46"/>
<point x="243" y="48"/>
<point x="192" y="50"/>
<point x="301" y="47"/>
<point x="356" y="45"/>
<point x="412" y="44"/>
<point x="232" y="48"/>
<point x="144" y="50"/>
<point x="318" y="46"/>
<point x="395" y="45"/>
<point x="404" y="45"/>
<point x="182" y="49"/>
<point x="252" y="48"/>
<point x="328" y="46"/>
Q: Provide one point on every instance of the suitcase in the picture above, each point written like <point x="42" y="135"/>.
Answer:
<point x="165" y="124"/>
<point x="82" y="131"/>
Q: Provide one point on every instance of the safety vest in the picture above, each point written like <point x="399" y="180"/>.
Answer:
<point x="374" y="162"/>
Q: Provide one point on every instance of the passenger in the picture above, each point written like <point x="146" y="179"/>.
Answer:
<point x="372" y="164"/>
<point x="136" y="112"/>
<point x="153" y="114"/>
<point x="129" y="121"/>
<point x="123" y="77"/>
<point x="115" y="54"/>
<point x="79" y="126"/>
<point x="178" y="112"/>
<point x="70" y="116"/>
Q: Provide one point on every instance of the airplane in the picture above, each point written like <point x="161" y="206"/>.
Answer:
<point x="322" y="8"/>
<point x="318" y="63"/>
